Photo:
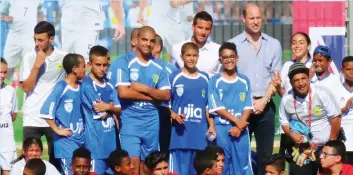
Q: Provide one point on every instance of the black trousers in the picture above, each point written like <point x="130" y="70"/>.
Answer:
<point x="164" y="129"/>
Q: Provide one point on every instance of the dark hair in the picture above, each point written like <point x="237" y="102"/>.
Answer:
<point x="98" y="51"/>
<point x="45" y="27"/>
<point x="203" y="15"/>
<point x="116" y="157"/>
<point x="27" y="143"/>
<point x="307" y="38"/>
<point x="188" y="46"/>
<point x="36" y="166"/>
<point x="70" y="61"/>
<point x="277" y="161"/>
<point x="338" y="148"/>
<point x="81" y="153"/>
<point x="347" y="59"/>
<point x="214" y="149"/>
<point x="154" y="158"/>
<point x="159" y="41"/>
<point x="227" y="45"/>
<point x="2" y="60"/>
<point x="204" y="160"/>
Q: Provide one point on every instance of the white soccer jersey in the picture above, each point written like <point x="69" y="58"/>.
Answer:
<point x="19" y="166"/>
<point x="284" y="73"/>
<point x="8" y="106"/>
<point x="50" y="73"/>
<point x="208" y="57"/>
<point x="330" y="82"/>
<point x="342" y="94"/>
<point x="324" y="108"/>
<point x="24" y="13"/>
<point x="80" y="15"/>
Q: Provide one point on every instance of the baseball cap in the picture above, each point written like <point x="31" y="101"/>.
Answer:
<point x="296" y="68"/>
<point x="323" y="50"/>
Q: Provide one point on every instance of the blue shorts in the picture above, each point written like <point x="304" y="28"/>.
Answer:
<point x="100" y="166"/>
<point x="65" y="164"/>
<point x="181" y="161"/>
<point x="139" y="143"/>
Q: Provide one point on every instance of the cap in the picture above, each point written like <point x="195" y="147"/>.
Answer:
<point x="296" y="68"/>
<point x="323" y="50"/>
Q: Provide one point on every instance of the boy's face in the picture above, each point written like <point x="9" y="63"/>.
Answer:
<point x="190" y="58"/>
<point x="347" y="70"/>
<point x="229" y="59"/>
<point x="321" y="63"/>
<point x="126" y="167"/>
<point x="99" y="66"/>
<point x="213" y="170"/>
<point x="80" y="70"/>
<point x="3" y="73"/>
<point x="220" y="163"/>
<point x="43" y="41"/>
<point x="81" y="166"/>
<point x="271" y="170"/>
<point x="161" y="169"/>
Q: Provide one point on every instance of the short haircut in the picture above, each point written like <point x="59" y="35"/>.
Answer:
<point x="187" y="46"/>
<point x="246" y="8"/>
<point x="45" y="27"/>
<point x="159" y="41"/>
<point x="98" y="51"/>
<point x="154" y="158"/>
<point x="214" y="149"/>
<point x="36" y="166"/>
<point x="347" y="59"/>
<point x="81" y="153"/>
<point x="134" y="33"/>
<point x="115" y="158"/>
<point x="203" y="15"/>
<point x="2" y="60"/>
<point x="227" y="45"/>
<point x="338" y="148"/>
<point x="277" y="161"/>
<point x="204" y="160"/>
<point x="70" y="61"/>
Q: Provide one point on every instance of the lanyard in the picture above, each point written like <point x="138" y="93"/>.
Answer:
<point x="309" y="107"/>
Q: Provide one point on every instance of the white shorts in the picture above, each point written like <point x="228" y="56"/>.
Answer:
<point x="6" y="158"/>
<point x="16" y="46"/>
<point x="78" y="42"/>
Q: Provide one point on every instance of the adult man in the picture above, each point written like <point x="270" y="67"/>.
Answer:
<point x="259" y="56"/>
<point x="208" y="50"/>
<point x="81" y="22"/>
<point x="40" y="71"/>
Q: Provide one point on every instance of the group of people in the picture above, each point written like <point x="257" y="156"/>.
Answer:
<point x="122" y="111"/>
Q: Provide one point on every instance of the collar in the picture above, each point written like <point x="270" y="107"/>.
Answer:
<point x="205" y="47"/>
<point x="320" y="79"/>
<point x="350" y="91"/>
<point x="51" y="57"/>
<point x="244" y="38"/>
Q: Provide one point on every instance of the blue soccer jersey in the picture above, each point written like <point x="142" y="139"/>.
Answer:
<point x="62" y="105"/>
<point x="189" y="97"/>
<point x="140" y="115"/>
<point x="100" y="134"/>
<point x="234" y="96"/>
<point x="170" y="68"/>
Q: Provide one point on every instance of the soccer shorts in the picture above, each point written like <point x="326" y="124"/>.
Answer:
<point x="65" y="164"/>
<point x="100" y="166"/>
<point x="237" y="159"/>
<point x="6" y="158"/>
<point x="79" y="42"/>
<point x="181" y="161"/>
<point x="139" y="143"/>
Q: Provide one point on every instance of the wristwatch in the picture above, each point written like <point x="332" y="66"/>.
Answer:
<point x="266" y="98"/>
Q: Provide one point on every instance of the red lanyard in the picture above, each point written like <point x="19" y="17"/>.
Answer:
<point x="309" y="107"/>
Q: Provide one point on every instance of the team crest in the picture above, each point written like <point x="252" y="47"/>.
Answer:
<point x="203" y="93"/>
<point x="242" y="96"/>
<point x="134" y="74"/>
<point x="317" y="110"/>
<point x="59" y="66"/>
<point x="155" y="78"/>
<point x="180" y="89"/>
<point x="220" y="92"/>
<point x="68" y="105"/>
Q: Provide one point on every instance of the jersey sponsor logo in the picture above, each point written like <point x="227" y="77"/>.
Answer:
<point x="220" y="92"/>
<point x="180" y="89"/>
<point x="108" y="124"/>
<point x="190" y="112"/>
<point x="134" y="74"/>
<point x="155" y="78"/>
<point x="318" y="111"/>
<point x="68" y="105"/>
<point x="242" y="96"/>
<point x="4" y="125"/>
<point x="59" y="66"/>
<point x="226" y="121"/>
<point x="203" y="93"/>
<point x="79" y="127"/>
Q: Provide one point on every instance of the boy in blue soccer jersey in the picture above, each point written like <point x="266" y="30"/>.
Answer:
<point x="99" y="103"/>
<point x="62" y="113"/>
<point x="189" y="112"/>
<point x="142" y="84"/>
<point x="231" y="103"/>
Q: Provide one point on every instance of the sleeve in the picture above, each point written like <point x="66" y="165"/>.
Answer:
<point x="114" y="98"/>
<point x="163" y="81"/>
<point x="214" y="101"/>
<point x="283" y="117"/>
<point x="168" y="104"/>
<point x="16" y="170"/>
<point x="51" y="104"/>
<point x="25" y="68"/>
<point x="51" y="169"/>
<point x="277" y="60"/>
<point x="14" y="102"/>
<point x="4" y="6"/>
<point x="112" y="74"/>
<point x="330" y="104"/>
<point x="248" y="97"/>
<point x="89" y="98"/>
<point x="123" y="73"/>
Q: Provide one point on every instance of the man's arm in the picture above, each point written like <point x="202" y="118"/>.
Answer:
<point x="160" y="95"/>
<point x="117" y="8"/>
<point x="31" y="80"/>
<point x="335" y="127"/>
<point x="126" y="92"/>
